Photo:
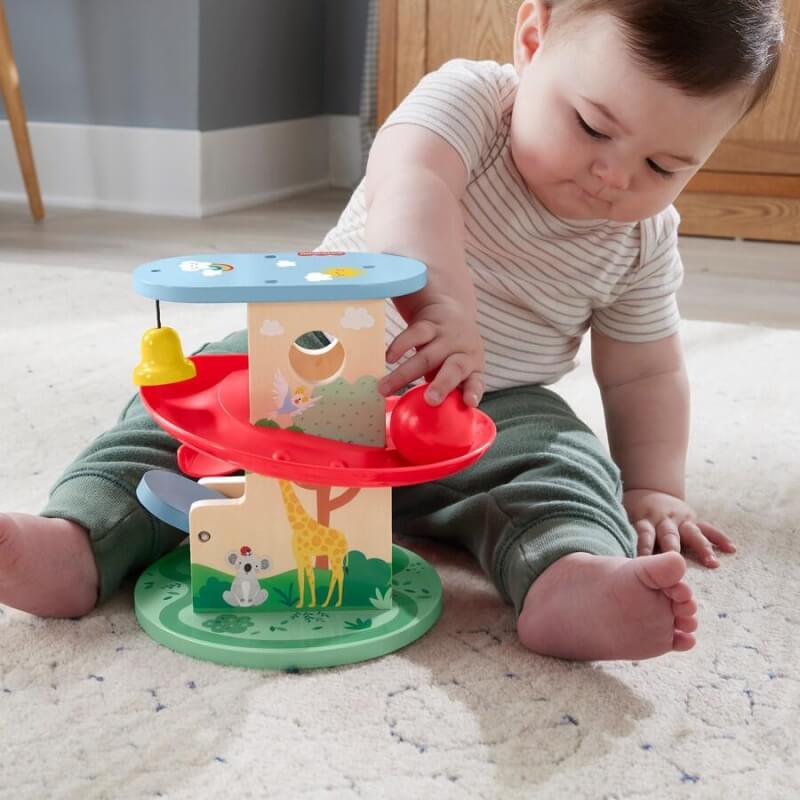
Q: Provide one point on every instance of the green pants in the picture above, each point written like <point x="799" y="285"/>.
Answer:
<point x="546" y="488"/>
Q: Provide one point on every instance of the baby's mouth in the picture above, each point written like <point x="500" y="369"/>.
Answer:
<point x="592" y="196"/>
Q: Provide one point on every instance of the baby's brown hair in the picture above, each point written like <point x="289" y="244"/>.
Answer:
<point x="702" y="47"/>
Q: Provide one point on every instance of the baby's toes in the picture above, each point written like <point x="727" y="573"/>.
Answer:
<point x="682" y="641"/>
<point x="686" y="624"/>
<point x="687" y="609"/>
<point x="681" y="592"/>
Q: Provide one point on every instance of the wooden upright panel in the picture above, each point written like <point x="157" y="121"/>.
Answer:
<point x="768" y="140"/>
<point x="387" y="58"/>
<point x="402" y="43"/>
<point x="774" y="219"/>
<point x="478" y="30"/>
<point x="412" y="31"/>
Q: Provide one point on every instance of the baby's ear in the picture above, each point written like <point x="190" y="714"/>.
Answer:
<point x="533" y="18"/>
<point x="232" y="557"/>
<point x="264" y="565"/>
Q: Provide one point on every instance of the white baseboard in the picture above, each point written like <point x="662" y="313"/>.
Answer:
<point x="181" y="172"/>
<point x="246" y="166"/>
<point x="147" y="170"/>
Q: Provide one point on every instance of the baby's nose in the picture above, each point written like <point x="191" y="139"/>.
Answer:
<point x="619" y="180"/>
<point x="614" y="176"/>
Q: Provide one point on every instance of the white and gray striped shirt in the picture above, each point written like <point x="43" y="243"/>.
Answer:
<point x="541" y="281"/>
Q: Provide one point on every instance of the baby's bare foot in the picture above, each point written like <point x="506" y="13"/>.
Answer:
<point x="46" y="566"/>
<point x="589" y="608"/>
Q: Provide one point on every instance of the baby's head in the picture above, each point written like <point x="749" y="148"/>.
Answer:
<point x="621" y="101"/>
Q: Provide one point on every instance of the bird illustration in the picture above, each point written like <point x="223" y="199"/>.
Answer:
<point x="290" y="402"/>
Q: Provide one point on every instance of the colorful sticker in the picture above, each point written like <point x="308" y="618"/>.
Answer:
<point x="288" y="401"/>
<point x="343" y="272"/>
<point x="246" y="591"/>
<point x="356" y="318"/>
<point x="209" y="269"/>
<point x="271" y="327"/>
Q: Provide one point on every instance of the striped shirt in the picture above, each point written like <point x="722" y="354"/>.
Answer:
<point x="541" y="281"/>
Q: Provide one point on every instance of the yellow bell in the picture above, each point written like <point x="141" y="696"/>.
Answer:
<point x="162" y="359"/>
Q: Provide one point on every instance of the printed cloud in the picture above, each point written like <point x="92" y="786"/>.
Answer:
<point x="318" y="276"/>
<point x="356" y="318"/>
<point x="271" y="327"/>
<point x="194" y="266"/>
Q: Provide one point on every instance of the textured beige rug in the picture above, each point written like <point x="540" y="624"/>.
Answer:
<point x="95" y="709"/>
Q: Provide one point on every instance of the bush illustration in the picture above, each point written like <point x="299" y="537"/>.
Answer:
<point x="349" y="412"/>
<point x="210" y="596"/>
<point x="383" y="602"/>
<point x="363" y="578"/>
<point x="229" y="623"/>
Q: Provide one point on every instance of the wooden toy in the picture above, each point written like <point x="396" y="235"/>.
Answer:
<point x="291" y="564"/>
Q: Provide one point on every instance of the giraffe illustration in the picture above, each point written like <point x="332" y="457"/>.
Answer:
<point x="309" y="540"/>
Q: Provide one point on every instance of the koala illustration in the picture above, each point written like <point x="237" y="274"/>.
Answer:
<point x="245" y="589"/>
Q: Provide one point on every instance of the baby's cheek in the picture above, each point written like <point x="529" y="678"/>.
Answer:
<point x="676" y="186"/>
<point x="656" y="199"/>
<point x="532" y="159"/>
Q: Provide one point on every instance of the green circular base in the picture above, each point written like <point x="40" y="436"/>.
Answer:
<point x="298" y="638"/>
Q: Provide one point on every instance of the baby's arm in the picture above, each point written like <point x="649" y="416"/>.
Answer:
<point x="645" y="394"/>
<point x="415" y="181"/>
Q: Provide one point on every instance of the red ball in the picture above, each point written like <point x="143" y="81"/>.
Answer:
<point x="424" y="434"/>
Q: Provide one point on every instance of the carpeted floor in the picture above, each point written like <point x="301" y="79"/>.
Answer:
<point x="94" y="709"/>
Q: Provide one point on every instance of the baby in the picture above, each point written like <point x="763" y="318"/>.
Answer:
<point x="539" y="196"/>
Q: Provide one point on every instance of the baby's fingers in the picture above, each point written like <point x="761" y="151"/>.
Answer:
<point x="416" y="366"/>
<point x="667" y="536"/>
<point x="692" y="538"/>
<point x="412" y="338"/>
<point x="473" y="389"/>
<point x="453" y="371"/>
<point x="647" y="537"/>
<point x="717" y="537"/>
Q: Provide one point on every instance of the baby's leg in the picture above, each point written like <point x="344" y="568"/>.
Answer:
<point x="92" y="510"/>
<point x="542" y="513"/>
<point x="47" y="566"/>
<point x="93" y="531"/>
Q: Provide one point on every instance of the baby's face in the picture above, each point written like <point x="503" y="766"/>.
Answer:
<point x="592" y="135"/>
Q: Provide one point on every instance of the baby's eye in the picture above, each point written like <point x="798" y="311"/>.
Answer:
<point x="589" y="129"/>
<point x="664" y="173"/>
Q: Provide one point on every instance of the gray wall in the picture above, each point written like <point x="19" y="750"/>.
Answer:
<point x="260" y="61"/>
<point x="107" y="62"/>
<point x="345" y="37"/>
<point x="187" y="64"/>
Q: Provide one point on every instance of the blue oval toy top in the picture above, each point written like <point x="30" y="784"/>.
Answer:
<point x="278" y="277"/>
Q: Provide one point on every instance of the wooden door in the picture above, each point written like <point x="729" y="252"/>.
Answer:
<point x="418" y="36"/>
<point x="768" y="140"/>
<point x="486" y="32"/>
<point x="750" y="187"/>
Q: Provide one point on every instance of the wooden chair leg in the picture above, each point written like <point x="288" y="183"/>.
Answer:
<point x="9" y="84"/>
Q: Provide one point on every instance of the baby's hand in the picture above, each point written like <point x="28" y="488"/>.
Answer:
<point x="448" y="352"/>
<point x="667" y="521"/>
